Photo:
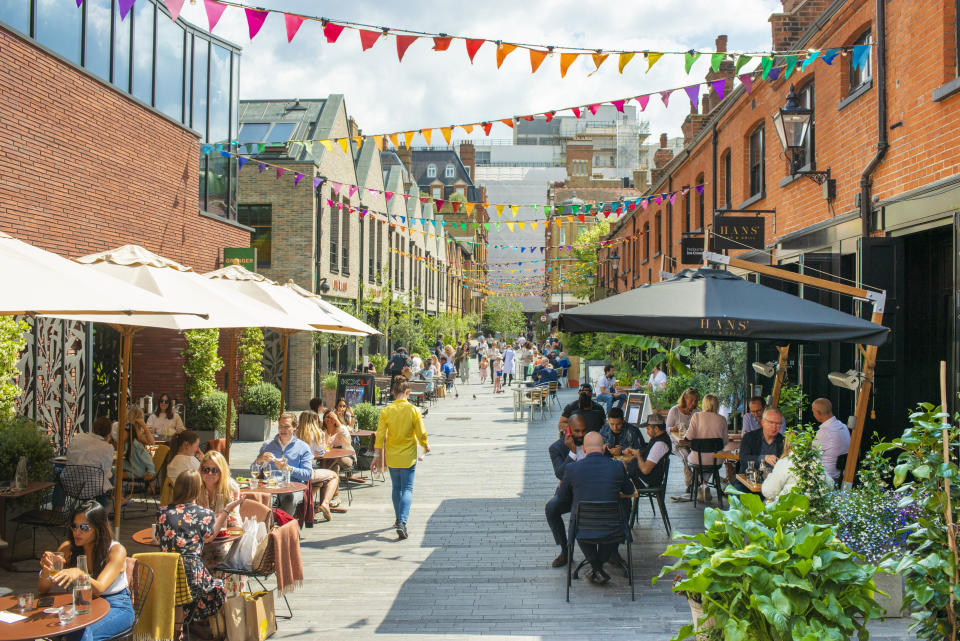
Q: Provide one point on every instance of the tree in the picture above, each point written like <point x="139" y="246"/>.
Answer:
<point x="585" y="252"/>
<point x="12" y="342"/>
<point x="504" y="315"/>
<point x="720" y="368"/>
<point x="250" y="350"/>
<point x="201" y="362"/>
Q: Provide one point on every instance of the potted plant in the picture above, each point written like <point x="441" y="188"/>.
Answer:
<point x="20" y="437"/>
<point x="758" y="578"/>
<point x="329" y="385"/>
<point x="262" y="404"/>
<point x="379" y="362"/>
<point x="210" y="417"/>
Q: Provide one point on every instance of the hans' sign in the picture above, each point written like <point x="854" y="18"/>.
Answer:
<point x="737" y="232"/>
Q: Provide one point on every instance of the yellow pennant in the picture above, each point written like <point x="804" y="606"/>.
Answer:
<point x="357" y="140"/>
<point x="514" y="210"/>
<point x="499" y="211"/>
<point x="599" y="59"/>
<point x="521" y="225"/>
<point x="510" y="225"/>
<point x="503" y="51"/>
<point x="447" y="132"/>
<point x="652" y="57"/>
<point x="378" y="140"/>
<point x="624" y="59"/>
<point x="469" y="207"/>
<point x="343" y="144"/>
<point x="394" y="140"/>
<point x="426" y="133"/>
<point x="408" y="137"/>
<point x="327" y="145"/>
<point x="559" y="222"/>
<point x="566" y="59"/>
<point x="533" y="226"/>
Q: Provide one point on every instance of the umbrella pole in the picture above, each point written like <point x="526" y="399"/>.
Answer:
<point x="125" y="353"/>
<point x="863" y="400"/>
<point x="285" y="340"/>
<point x="231" y="377"/>
<point x="781" y="374"/>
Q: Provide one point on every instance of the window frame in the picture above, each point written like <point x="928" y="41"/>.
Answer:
<point x="244" y="213"/>
<point x="807" y="98"/>
<point x="863" y="75"/>
<point x="334" y="243"/>
<point x="728" y="179"/>
<point x="658" y="225"/>
<point x="345" y="242"/>
<point x="701" y="203"/>
<point x="646" y="243"/>
<point x="449" y="171"/>
<point x="431" y="171"/>
<point x="686" y="208"/>
<point x="756" y="185"/>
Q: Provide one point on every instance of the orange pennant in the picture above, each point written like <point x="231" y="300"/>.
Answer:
<point x="394" y="140"/>
<point x="508" y="122"/>
<point x="504" y="50"/>
<point x="536" y="59"/>
<point x="408" y="137"/>
<point x="447" y="132"/>
<point x="467" y="128"/>
<point x="469" y="207"/>
<point x="426" y="133"/>
<point x="624" y="59"/>
<point x="378" y="140"/>
<point x="566" y="59"/>
<point x="599" y="59"/>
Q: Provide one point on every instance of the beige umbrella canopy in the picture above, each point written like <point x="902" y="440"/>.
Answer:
<point x="351" y="324"/>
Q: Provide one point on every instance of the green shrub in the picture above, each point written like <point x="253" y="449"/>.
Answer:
<point x="21" y="437"/>
<point x="210" y="414"/>
<point x="12" y="342"/>
<point x="250" y="351"/>
<point x="330" y="381"/>
<point x="367" y="415"/>
<point x="379" y="362"/>
<point x="201" y="362"/>
<point x="263" y="398"/>
<point x="792" y="403"/>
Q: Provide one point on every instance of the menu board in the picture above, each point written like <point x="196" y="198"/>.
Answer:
<point x="637" y="408"/>
<point x="355" y="388"/>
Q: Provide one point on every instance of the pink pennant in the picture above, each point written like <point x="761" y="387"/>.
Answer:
<point x="642" y="100"/>
<point x="673" y="198"/>
<point x="576" y="111"/>
<point x="388" y="195"/>
<point x="293" y="25"/>
<point x="619" y="105"/>
<point x="665" y="97"/>
<point x="593" y="109"/>
<point x="281" y="171"/>
<point x="335" y="186"/>
<point x="643" y="204"/>
<point x="368" y="38"/>
<point x="214" y="11"/>
<point x="406" y="196"/>
<point x="658" y="199"/>
<point x="330" y="203"/>
<point x="353" y="190"/>
<point x="332" y="31"/>
<point x="173" y="6"/>
<point x="404" y="42"/>
<point x="747" y="81"/>
<point x="255" y="20"/>
<point x="719" y="85"/>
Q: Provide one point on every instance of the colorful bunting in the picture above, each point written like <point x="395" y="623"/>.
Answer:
<point x="689" y="58"/>
<point x="173" y="6"/>
<point x="369" y="38"/>
<point x="473" y="45"/>
<point x="214" y="11"/>
<point x="332" y="31"/>
<point x="504" y="50"/>
<point x="255" y="20"/>
<point x="292" y="22"/>
<point x="625" y="58"/>
<point x="652" y="57"/>
<point x="566" y="59"/>
<point x="693" y="93"/>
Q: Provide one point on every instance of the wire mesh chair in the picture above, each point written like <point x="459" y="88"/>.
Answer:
<point x="706" y="473"/>
<point x="82" y="482"/>
<point x="601" y="516"/>
<point x="140" y="580"/>
<point x="266" y="568"/>
<point x="54" y="519"/>
<point x="658" y="492"/>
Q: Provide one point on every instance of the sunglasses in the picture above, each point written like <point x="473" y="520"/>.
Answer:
<point x="210" y="470"/>
<point x="163" y="402"/>
<point x="83" y="527"/>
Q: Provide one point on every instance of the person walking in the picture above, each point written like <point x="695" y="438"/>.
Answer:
<point x="399" y="431"/>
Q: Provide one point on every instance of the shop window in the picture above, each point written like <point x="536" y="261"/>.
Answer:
<point x="259" y="217"/>
<point x="96" y="37"/>
<point x="756" y="162"/>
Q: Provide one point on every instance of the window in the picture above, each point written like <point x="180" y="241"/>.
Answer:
<point x="861" y="75"/>
<point x="686" y="208"/>
<point x="700" y="204"/>
<point x="727" y="180"/>
<point x="461" y="189"/>
<point x="659" y="228"/>
<point x="143" y="14"/>
<point x="638" y="257"/>
<point x="334" y="240"/>
<point x="448" y="172"/>
<point x="16" y="13"/>
<point x="372" y="248"/>
<point x="646" y="242"/>
<point x="400" y="263"/>
<point x="169" y="87"/>
<point x="220" y="87"/>
<point x="253" y="132"/>
<point x="808" y="160"/>
<point x="58" y="27"/>
<point x="391" y="262"/>
<point x="379" y="249"/>
<point x="259" y="217"/>
<point x="756" y="162"/>
<point x="345" y="241"/>
<point x="431" y="171"/>
<point x="96" y="36"/>
<point x="201" y="52"/>
<point x="466" y="168"/>
<point x="437" y="192"/>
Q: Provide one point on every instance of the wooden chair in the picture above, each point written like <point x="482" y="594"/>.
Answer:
<point x="217" y="445"/>
<point x="553" y="386"/>
<point x="532" y="399"/>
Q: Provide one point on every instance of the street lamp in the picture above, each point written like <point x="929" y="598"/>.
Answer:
<point x="792" y="122"/>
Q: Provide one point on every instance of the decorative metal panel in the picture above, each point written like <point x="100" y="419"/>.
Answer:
<point x="272" y="357"/>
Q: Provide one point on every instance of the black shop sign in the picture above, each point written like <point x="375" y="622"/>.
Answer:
<point x="691" y="249"/>
<point x="737" y="232"/>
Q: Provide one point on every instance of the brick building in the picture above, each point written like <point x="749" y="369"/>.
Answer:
<point x="101" y="147"/>
<point x="886" y="132"/>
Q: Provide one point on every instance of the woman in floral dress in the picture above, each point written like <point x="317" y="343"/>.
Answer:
<point x="184" y="527"/>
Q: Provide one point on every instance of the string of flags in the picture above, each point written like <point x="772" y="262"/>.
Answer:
<point x="404" y="38"/>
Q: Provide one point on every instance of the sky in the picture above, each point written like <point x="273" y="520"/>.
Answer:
<point x="434" y="89"/>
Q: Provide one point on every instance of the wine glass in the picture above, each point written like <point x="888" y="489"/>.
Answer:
<point x="752" y="470"/>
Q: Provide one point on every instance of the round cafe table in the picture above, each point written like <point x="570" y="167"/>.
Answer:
<point x="279" y="489"/>
<point x="39" y="624"/>
<point x="362" y="433"/>
<point x="145" y="537"/>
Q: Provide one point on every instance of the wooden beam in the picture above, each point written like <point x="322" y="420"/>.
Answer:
<point x="126" y="351"/>
<point x="781" y="374"/>
<point x="231" y="381"/>
<point x="813" y="281"/>
<point x="285" y="341"/>
<point x="863" y="401"/>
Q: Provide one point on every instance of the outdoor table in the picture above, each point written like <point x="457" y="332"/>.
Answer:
<point x="517" y="397"/>
<point x="362" y="433"/>
<point x="336" y="452"/>
<point x="750" y="485"/>
<point x="145" y="537"/>
<point x="727" y="455"/>
<point x="39" y="624"/>
<point x="279" y="489"/>
<point x="10" y="493"/>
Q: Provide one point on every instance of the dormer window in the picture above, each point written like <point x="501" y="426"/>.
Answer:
<point x="431" y="171"/>
<point x="449" y="172"/>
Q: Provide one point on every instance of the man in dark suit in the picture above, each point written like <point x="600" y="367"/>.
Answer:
<point x="563" y="452"/>
<point x="595" y="478"/>
<point x="763" y="446"/>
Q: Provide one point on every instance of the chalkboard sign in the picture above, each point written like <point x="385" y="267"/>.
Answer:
<point x="637" y="408"/>
<point x="355" y="388"/>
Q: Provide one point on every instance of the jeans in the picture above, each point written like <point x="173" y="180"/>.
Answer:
<point x="117" y="620"/>
<point x="402" y="480"/>
<point x="608" y="399"/>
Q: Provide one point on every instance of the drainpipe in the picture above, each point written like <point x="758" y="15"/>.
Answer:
<point x="866" y="178"/>
<point x="713" y="181"/>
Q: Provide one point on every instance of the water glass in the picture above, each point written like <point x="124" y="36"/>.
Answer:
<point x="66" y="614"/>
<point x="277" y="477"/>
<point x="57" y="563"/>
<point x="286" y="477"/>
<point x="25" y="601"/>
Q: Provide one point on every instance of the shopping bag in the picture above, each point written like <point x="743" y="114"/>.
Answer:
<point x="234" y="609"/>
<point x="259" y="616"/>
<point x="243" y="551"/>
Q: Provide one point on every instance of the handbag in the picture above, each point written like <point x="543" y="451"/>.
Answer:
<point x="259" y="616"/>
<point x="243" y="552"/>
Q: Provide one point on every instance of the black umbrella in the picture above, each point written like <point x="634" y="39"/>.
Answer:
<point x="718" y="305"/>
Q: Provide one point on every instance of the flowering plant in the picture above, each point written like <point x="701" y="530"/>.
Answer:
<point x="871" y="523"/>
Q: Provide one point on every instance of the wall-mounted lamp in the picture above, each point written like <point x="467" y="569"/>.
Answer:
<point x="792" y="122"/>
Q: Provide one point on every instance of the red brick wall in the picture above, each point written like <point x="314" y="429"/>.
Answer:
<point x="84" y="168"/>
<point x="923" y="148"/>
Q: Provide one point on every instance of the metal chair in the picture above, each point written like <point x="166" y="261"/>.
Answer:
<point x="82" y="482"/>
<point x="54" y="519"/>
<point x="533" y="398"/>
<point x="700" y="471"/>
<point x="659" y="492"/>
<point x="605" y="516"/>
<point x="451" y="381"/>
<point x="418" y="391"/>
<point x="266" y="568"/>
<point x="140" y="580"/>
<point x="554" y="387"/>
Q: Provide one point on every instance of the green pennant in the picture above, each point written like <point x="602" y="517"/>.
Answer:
<point x="486" y="226"/>
<point x="689" y="58"/>
<point x="576" y="208"/>
<point x="791" y="65"/>
<point x="463" y="226"/>
<point x="741" y="60"/>
<point x="767" y="63"/>
<point x="715" y="61"/>
<point x="498" y="226"/>
<point x="261" y="146"/>
<point x="443" y="223"/>
<point x="546" y="210"/>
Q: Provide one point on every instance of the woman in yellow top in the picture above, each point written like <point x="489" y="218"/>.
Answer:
<point x="398" y="432"/>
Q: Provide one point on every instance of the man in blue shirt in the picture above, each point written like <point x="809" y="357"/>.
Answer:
<point x="284" y="452"/>
<point x="448" y="371"/>
<point x="546" y="375"/>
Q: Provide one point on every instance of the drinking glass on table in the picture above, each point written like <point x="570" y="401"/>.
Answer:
<point x="752" y="471"/>
<point x="25" y="602"/>
<point x="66" y="614"/>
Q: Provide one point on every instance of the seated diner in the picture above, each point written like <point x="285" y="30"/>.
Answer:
<point x="286" y="452"/>
<point x="217" y="492"/>
<point x="164" y="421"/>
<point x="325" y="482"/>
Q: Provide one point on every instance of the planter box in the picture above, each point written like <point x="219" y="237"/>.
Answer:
<point x="892" y="584"/>
<point x="696" y="611"/>
<point x="330" y="397"/>
<point x="254" y="427"/>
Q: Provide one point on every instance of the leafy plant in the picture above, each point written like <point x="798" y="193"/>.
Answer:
<point x="379" y="362"/>
<point x="367" y="415"/>
<point x="250" y="349"/>
<point x="201" y="362"/>
<point x="760" y="581"/>
<point x="582" y="275"/>
<point x="807" y="459"/>
<point x="12" y="342"/>
<point x="930" y="568"/>
<point x="793" y="401"/>
<point x="667" y="352"/>
<point x="22" y="437"/>
<point x="329" y="381"/>
<point x="210" y="414"/>
<point x="504" y="316"/>
<point x="719" y="369"/>
<point x="264" y="399"/>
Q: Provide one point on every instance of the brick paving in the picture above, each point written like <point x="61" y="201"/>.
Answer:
<point x="477" y="562"/>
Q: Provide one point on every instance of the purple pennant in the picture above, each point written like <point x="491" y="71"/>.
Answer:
<point x="693" y="93"/>
<point x="124" y="6"/>
<point x="665" y="97"/>
<point x="673" y="198"/>
<point x="241" y="161"/>
<point x="316" y="182"/>
<point x="700" y="189"/>
<point x="280" y="171"/>
<point x="747" y="81"/>
<point x="297" y="179"/>
<point x="719" y="85"/>
<point x="774" y="73"/>
<point x="79" y="2"/>
<point x="260" y="167"/>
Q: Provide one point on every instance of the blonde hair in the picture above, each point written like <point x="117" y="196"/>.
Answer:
<point x="308" y="430"/>
<point x="223" y="491"/>
<point x="687" y="393"/>
<point x="711" y="403"/>
<point x="135" y="413"/>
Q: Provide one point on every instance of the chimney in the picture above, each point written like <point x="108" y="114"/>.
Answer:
<point x="663" y="141"/>
<point x="663" y="155"/>
<point x="726" y="71"/>
<point x="468" y="156"/>
<point x="406" y="157"/>
<point x="797" y="16"/>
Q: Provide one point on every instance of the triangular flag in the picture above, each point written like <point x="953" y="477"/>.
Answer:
<point x="369" y="38"/>
<point x="719" y="85"/>
<point x="297" y="179"/>
<point x="536" y="59"/>
<point x="689" y="58"/>
<point x="715" y="60"/>
<point x="861" y="56"/>
<point x="504" y="50"/>
<point x="125" y="6"/>
<point x="473" y="45"/>
<point x="174" y="7"/>
<point x="652" y="57"/>
<point x="510" y="226"/>
<point x="533" y="226"/>
<point x="327" y="144"/>
<point x="393" y="139"/>
<point x="255" y="20"/>
<point x="378" y="141"/>
<point x="582" y="218"/>
<point x="447" y="132"/>
<point x="774" y="73"/>
<point x="791" y="61"/>
<point x="665" y="97"/>
<point x="408" y="137"/>
<point x="566" y="59"/>
<point x="441" y="43"/>
<point x="693" y="93"/>
<point x="766" y="63"/>
<point x="241" y="161"/>
<point x="619" y="104"/>
<point x="403" y="42"/>
<point x="427" y="134"/>
<point x="344" y="142"/>
<point x="521" y="225"/>
<point x="741" y="60"/>
<point x="439" y="204"/>
<point x="467" y="128"/>
<point x="260" y="167"/>
<point x="508" y="122"/>
<point x="576" y="111"/>
<point x="599" y="59"/>
<point x="280" y="171"/>
<point x="747" y="81"/>
<point x="469" y="207"/>
<point x="486" y="127"/>
<point x="214" y="11"/>
<point x="593" y="108"/>
<point x="625" y="58"/>
<point x="811" y="56"/>
<point x="643" y="100"/>
<point x="316" y="182"/>
<point x="829" y="55"/>
<point x="700" y="189"/>
<point x="335" y="186"/>
<point x="293" y="23"/>
<point x="513" y="210"/>
<point x="332" y="31"/>
<point x="455" y="205"/>
<point x="353" y="189"/>
<point x="388" y="195"/>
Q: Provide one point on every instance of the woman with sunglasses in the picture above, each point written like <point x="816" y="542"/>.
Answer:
<point x="345" y="414"/>
<point x="164" y="422"/>
<point x="218" y="491"/>
<point x="336" y="436"/>
<point x="308" y="431"/>
<point x="89" y="535"/>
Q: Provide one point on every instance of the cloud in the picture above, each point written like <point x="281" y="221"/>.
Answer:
<point x="433" y="89"/>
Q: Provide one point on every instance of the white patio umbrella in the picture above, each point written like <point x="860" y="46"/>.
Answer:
<point x="351" y="323"/>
